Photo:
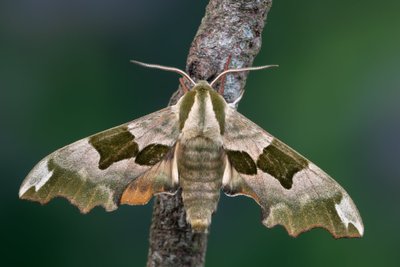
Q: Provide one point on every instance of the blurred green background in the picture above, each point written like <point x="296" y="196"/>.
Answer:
<point x="65" y="74"/>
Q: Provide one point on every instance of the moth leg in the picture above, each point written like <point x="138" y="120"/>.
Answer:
<point x="223" y="79"/>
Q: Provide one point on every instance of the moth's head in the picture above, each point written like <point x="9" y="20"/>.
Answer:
<point x="201" y="85"/>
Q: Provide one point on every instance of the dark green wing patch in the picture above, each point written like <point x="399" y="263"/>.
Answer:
<point x="219" y="109"/>
<point x="242" y="162"/>
<point x="185" y="107"/>
<point x="151" y="154"/>
<point x="281" y="162"/>
<point x="114" y="145"/>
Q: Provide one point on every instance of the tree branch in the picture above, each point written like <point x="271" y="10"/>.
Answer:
<point x="229" y="28"/>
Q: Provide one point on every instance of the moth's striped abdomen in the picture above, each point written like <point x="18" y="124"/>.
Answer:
<point x="201" y="166"/>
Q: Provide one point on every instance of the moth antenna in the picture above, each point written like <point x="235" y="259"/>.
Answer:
<point x="155" y="66"/>
<point x="240" y="70"/>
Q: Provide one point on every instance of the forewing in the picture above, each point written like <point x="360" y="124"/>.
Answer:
<point x="291" y="190"/>
<point x="95" y="170"/>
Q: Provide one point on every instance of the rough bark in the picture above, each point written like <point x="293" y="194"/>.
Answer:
<point x="230" y="28"/>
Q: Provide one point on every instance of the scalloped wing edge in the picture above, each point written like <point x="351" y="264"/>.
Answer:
<point x="47" y="180"/>
<point x="341" y="220"/>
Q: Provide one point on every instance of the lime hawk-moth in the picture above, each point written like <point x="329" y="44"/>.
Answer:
<point x="201" y="145"/>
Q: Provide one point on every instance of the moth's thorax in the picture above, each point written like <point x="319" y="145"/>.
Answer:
<point x="202" y="113"/>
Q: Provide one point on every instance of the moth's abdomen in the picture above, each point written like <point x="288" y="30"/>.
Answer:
<point x="201" y="166"/>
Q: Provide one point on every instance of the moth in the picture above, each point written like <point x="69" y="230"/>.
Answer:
<point x="201" y="145"/>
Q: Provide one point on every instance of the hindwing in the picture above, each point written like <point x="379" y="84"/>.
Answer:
<point x="291" y="190"/>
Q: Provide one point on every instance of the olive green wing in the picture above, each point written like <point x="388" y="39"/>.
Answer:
<point x="291" y="190"/>
<point x="95" y="170"/>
